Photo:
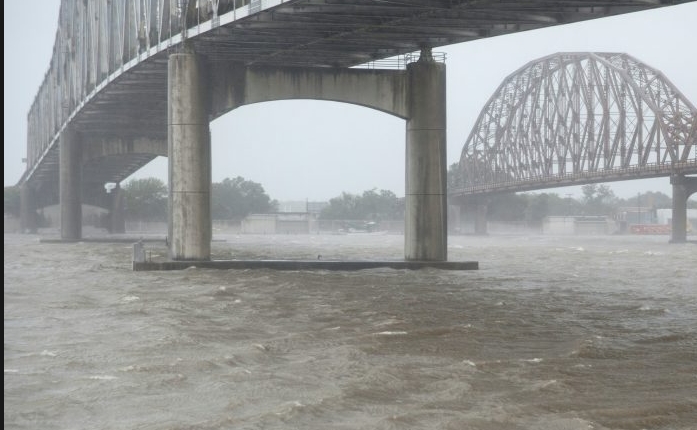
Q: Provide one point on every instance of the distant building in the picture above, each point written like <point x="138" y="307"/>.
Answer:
<point x="577" y="225"/>
<point x="302" y="206"/>
<point x="665" y="216"/>
<point x="651" y="220"/>
<point x="278" y="223"/>
<point x="637" y="215"/>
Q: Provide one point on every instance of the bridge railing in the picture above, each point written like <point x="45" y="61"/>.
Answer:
<point x="541" y="181"/>
<point x="400" y="62"/>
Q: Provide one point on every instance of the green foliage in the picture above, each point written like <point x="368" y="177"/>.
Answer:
<point x="532" y="208"/>
<point x="12" y="201"/>
<point x="558" y="206"/>
<point x="651" y="199"/>
<point x="373" y="205"/>
<point x="537" y="209"/>
<point x="455" y="177"/>
<point x="598" y="199"/>
<point x="146" y="199"/>
<point x="236" y="198"/>
<point x="507" y="207"/>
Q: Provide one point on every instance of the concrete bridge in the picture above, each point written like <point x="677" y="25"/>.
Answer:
<point x="579" y="118"/>
<point x="129" y="81"/>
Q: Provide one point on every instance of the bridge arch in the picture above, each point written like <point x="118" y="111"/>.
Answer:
<point x="237" y="85"/>
<point x="580" y="117"/>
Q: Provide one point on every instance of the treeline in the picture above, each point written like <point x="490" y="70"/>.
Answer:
<point x="146" y="199"/>
<point x="234" y="199"/>
<point x="597" y="200"/>
<point x="372" y="205"/>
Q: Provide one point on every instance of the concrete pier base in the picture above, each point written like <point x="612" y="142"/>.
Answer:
<point x="344" y="265"/>
<point x="683" y="188"/>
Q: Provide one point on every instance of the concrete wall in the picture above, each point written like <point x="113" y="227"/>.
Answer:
<point x="259" y="224"/>
<point x="571" y="225"/>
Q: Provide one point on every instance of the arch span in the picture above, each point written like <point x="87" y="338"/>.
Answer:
<point x="572" y="118"/>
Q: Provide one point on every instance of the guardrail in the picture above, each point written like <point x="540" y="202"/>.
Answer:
<point x="400" y="62"/>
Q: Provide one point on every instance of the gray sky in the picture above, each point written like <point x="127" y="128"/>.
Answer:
<point x="316" y="150"/>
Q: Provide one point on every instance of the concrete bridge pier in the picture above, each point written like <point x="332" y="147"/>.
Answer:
<point x="683" y="188"/>
<point x="117" y="219"/>
<point x="27" y="209"/>
<point x="480" y="219"/>
<point x="189" y="154"/>
<point x="70" y="165"/>
<point x="425" y="228"/>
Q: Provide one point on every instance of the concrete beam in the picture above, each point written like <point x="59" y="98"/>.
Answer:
<point x="237" y="85"/>
<point x="114" y="145"/>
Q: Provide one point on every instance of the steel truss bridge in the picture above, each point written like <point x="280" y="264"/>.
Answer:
<point x="578" y="118"/>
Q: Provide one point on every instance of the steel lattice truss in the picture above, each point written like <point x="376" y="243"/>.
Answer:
<point x="578" y="118"/>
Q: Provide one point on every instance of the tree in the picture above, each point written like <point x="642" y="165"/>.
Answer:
<point x="599" y="199"/>
<point x="455" y="177"/>
<point x="537" y="209"/>
<point x="652" y="199"/>
<point x="146" y="199"/>
<point x="508" y="207"/>
<point x="236" y="198"/>
<point x="373" y="205"/>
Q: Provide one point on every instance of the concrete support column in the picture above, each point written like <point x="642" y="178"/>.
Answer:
<point x="683" y="187"/>
<point x="117" y="219"/>
<point x="27" y="209"/>
<point x="425" y="228"/>
<point x="480" y="219"/>
<point x="189" y="153"/>
<point x="70" y="184"/>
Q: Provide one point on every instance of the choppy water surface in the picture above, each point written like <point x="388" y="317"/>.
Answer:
<point x="550" y="333"/>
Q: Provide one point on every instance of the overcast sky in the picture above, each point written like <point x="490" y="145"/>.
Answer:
<point x="316" y="150"/>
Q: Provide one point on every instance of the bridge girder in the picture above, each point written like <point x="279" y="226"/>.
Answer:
<point x="571" y="118"/>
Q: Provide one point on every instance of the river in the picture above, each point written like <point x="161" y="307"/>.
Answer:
<point x="556" y="333"/>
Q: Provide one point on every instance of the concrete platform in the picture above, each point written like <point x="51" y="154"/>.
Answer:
<point x="115" y="239"/>
<point x="305" y="265"/>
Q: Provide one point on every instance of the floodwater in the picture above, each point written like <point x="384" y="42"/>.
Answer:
<point x="550" y="333"/>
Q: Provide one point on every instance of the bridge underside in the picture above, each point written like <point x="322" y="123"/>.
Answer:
<point x="307" y="33"/>
<point x="344" y="33"/>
